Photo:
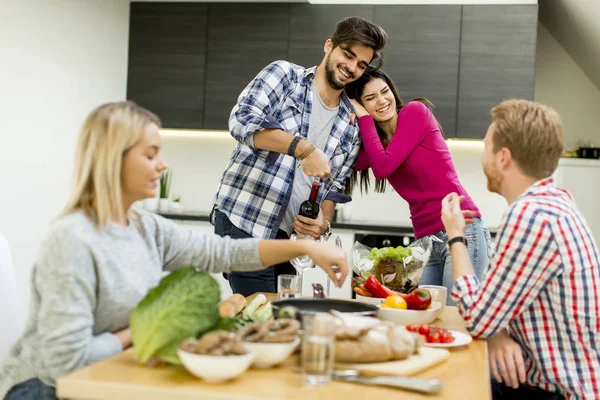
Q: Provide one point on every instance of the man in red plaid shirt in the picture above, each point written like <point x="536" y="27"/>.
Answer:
<point x="539" y="300"/>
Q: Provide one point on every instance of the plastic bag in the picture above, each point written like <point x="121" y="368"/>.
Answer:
<point x="399" y="268"/>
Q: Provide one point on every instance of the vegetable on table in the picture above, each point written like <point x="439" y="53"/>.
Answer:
<point x="418" y="299"/>
<point x="264" y="313"/>
<point x="258" y="301"/>
<point x="375" y="288"/>
<point x="183" y="305"/>
<point x="395" y="302"/>
<point x="362" y="291"/>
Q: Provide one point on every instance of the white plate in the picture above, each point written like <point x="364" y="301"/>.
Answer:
<point x="460" y="339"/>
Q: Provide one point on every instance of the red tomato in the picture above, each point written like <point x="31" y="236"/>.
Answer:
<point x="424" y="330"/>
<point x="446" y="337"/>
<point x="434" y="338"/>
<point x="411" y="328"/>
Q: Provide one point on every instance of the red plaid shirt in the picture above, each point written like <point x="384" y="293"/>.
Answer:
<point x="544" y="285"/>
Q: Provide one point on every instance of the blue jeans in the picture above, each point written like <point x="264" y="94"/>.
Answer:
<point x="502" y="392"/>
<point x="33" y="389"/>
<point x="248" y="283"/>
<point x="438" y="270"/>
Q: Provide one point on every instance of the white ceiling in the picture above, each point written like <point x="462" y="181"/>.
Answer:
<point x="575" y="24"/>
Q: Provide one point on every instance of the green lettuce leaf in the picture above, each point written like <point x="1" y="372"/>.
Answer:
<point x="183" y="305"/>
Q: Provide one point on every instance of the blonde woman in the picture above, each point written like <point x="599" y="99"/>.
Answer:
<point x="100" y="257"/>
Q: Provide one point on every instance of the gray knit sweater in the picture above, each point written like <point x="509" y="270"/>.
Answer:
<point x="86" y="281"/>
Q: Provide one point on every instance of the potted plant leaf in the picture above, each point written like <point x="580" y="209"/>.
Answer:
<point x="176" y="206"/>
<point x="164" y="204"/>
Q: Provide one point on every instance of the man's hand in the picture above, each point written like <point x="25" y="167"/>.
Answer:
<point x="506" y="359"/>
<point x="308" y="226"/>
<point x="452" y="216"/>
<point x="316" y="164"/>
<point x="359" y="110"/>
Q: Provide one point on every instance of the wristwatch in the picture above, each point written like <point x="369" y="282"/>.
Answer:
<point x="458" y="239"/>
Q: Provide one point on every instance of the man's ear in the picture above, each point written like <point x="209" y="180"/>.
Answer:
<point x="328" y="46"/>
<point x="504" y="158"/>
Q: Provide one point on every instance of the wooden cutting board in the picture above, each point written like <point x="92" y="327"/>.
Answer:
<point x="427" y="357"/>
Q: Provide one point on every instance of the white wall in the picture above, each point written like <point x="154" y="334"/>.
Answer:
<point x="59" y="59"/>
<point x="561" y="84"/>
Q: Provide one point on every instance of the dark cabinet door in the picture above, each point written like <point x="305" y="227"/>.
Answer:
<point x="167" y="47"/>
<point x="311" y="25"/>
<point x="423" y="53"/>
<point x="497" y="62"/>
<point x="243" y="38"/>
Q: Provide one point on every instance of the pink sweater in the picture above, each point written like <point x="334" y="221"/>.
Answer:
<point x="417" y="163"/>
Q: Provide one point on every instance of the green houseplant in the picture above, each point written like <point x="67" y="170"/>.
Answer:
<point x="164" y="204"/>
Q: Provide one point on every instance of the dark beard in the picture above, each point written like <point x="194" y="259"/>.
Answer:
<point x="330" y="75"/>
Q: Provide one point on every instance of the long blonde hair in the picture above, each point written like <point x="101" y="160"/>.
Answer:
<point x="107" y="134"/>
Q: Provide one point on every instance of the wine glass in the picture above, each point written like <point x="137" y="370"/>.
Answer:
<point x="338" y="244"/>
<point x="304" y="262"/>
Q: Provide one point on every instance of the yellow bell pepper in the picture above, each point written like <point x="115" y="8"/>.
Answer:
<point x="396" y="302"/>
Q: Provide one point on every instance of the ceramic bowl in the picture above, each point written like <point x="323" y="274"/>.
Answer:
<point x="215" y="369"/>
<point x="411" y="317"/>
<point x="271" y="354"/>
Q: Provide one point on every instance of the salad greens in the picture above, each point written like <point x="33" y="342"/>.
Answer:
<point x="183" y="305"/>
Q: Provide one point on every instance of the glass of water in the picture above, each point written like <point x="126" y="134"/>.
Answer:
<point x="289" y="286"/>
<point x="318" y="347"/>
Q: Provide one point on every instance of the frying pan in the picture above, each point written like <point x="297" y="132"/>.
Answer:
<point x="310" y="306"/>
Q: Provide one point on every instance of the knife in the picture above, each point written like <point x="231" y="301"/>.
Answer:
<point x="429" y="386"/>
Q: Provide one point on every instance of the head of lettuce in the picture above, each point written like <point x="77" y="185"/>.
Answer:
<point x="183" y="305"/>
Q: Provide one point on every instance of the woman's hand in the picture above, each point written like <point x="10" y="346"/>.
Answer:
<point x="331" y="259"/>
<point x="452" y="216"/>
<point x="124" y="337"/>
<point x="359" y="110"/>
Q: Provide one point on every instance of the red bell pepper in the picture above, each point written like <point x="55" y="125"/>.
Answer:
<point x="376" y="288"/>
<point x="357" y="281"/>
<point x="418" y="299"/>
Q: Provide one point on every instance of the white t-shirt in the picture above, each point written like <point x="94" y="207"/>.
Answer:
<point x="319" y="130"/>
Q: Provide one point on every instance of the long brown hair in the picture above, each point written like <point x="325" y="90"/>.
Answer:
<point x="354" y="91"/>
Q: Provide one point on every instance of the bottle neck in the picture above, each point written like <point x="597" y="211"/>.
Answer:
<point x="314" y="191"/>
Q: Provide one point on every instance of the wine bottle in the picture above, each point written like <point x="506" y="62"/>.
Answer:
<point x="310" y="208"/>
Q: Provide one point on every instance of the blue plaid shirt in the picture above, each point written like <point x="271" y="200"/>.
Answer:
<point x="256" y="186"/>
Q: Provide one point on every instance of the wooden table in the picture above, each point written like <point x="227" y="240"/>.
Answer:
<point x="465" y="376"/>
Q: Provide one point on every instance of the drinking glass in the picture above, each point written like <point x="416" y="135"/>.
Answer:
<point x="318" y="346"/>
<point x="289" y="286"/>
<point x="304" y="262"/>
<point x="338" y="243"/>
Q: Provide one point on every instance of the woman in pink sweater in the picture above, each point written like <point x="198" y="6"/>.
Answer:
<point x="403" y="144"/>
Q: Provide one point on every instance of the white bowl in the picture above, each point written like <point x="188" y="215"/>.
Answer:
<point x="271" y="354"/>
<point x="411" y="317"/>
<point x="214" y="369"/>
<point x="369" y="300"/>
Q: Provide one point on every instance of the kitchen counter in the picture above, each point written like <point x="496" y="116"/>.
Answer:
<point x="357" y="226"/>
<point x="354" y="225"/>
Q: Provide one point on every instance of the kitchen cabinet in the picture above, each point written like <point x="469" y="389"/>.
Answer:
<point x="311" y="25"/>
<point x="189" y="61"/>
<point x="423" y="53"/>
<point x="243" y="38"/>
<point x="167" y="57"/>
<point x="497" y="61"/>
